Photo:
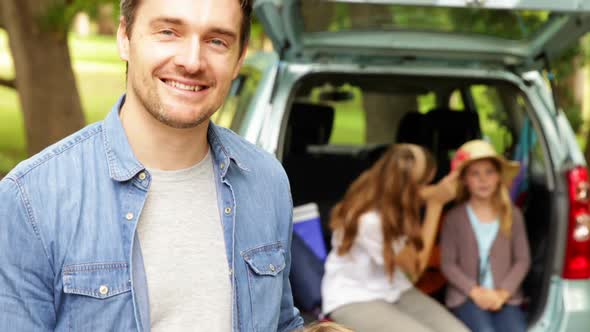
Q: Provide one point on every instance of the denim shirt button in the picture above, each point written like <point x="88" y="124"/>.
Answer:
<point x="272" y="267"/>
<point x="227" y="210"/>
<point x="129" y="216"/>
<point x="104" y="290"/>
<point x="222" y="165"/>
<point x="142" y="176"/>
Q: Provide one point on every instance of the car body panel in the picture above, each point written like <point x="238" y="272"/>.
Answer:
<point x="569" y="20"/>
<point x="567" y="308"/>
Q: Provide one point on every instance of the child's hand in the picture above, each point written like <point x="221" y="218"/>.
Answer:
<point x="486" y="299"/>
<point x="502" y="296"/>
<point x="442" y="192"/>
<point x="408" y="261"/>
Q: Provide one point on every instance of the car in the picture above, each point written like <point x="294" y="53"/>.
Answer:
<point x="349" y="78"/>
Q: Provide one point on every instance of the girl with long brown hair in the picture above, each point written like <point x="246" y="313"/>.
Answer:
<point x="380" y="245"/>
<point x="485" y="252"/>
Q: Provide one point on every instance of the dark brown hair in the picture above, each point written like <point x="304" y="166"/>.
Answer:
<point x="389" y="188"/>
<point x="129" y="7"/>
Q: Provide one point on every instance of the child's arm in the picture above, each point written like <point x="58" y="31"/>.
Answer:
<point x="411" y="261"/>
<point x="450" y="249"/>
<point x="521" y="256"/>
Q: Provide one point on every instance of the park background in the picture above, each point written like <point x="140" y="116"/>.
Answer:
<point x="60" y="70"/>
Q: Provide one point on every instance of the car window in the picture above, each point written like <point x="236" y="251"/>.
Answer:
<point x="232" y="112"/>
<point x="349" y="127"/>
<point x="528" y="142"/>
<point x="456" y="101"/>
<point x="509" y="24"/>
<point x="426" y="102"/>
<point x="493" y="117"/>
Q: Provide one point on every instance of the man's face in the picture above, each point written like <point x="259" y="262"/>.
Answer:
<point x="182" y="56"/>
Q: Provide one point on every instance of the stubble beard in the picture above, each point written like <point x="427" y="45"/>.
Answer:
<point x="150" y="100"/>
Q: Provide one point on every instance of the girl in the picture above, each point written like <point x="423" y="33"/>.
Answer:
<point x="485" y="252"/>
<point x="380" y="246"/>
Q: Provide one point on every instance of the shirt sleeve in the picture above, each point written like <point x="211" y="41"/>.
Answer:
<point x="26" y="277"/>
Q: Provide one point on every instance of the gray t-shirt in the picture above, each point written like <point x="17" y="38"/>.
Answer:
<point x="182" y="243"/>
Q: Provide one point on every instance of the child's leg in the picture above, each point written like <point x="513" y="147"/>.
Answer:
<point x="429" y="312"/>
<point x="510" y="319"/>
<point x="476" y="319"/>
<point x="376" y="316"/>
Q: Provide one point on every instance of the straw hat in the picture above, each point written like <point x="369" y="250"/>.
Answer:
<point x="479" y="149"/>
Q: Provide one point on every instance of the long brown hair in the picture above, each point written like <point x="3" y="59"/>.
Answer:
<point x="500" y="201"/>
<point x="388" y="187"/>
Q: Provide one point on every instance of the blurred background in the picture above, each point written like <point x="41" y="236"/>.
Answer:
<point x="59" y="70"/>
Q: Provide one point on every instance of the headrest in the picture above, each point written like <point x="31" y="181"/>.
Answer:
<point x="452" y="128"/>
<point x="309" y="124"/>
<point x="411" y="129"/>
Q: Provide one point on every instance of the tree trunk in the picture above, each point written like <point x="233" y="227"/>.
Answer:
<point x="45" y="80"/>
<point x="318" y="17"/>
<point x="105" y="19"/>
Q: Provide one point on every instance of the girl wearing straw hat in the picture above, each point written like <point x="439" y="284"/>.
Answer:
<point x="485" y="251"/>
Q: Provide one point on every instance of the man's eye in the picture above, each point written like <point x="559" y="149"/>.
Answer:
<point x="217" y="42"/>
<point x="167" y="32"/>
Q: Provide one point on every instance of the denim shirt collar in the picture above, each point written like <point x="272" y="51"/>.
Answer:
<point x="122" y="163"/>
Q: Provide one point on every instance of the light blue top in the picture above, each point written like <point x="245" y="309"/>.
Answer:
<point x="69" y="257"/>
<point x="485" y="234"/>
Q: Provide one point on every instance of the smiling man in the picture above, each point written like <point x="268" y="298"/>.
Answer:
<point x="154" y="219"/>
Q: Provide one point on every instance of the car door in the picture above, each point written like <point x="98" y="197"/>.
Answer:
<point x="522" y="34"/>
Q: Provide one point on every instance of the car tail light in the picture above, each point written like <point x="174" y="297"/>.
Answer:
<point x="577" y="255"/>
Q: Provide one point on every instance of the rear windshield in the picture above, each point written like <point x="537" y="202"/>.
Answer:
<point x="324" y="16"/>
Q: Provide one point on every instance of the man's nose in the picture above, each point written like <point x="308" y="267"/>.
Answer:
<point x="190" y="56"/>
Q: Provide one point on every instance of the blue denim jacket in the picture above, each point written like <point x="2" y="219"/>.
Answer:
<point x="69" y="257"/>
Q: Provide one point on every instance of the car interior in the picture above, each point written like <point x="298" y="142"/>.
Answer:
<point x="338" y="125"/>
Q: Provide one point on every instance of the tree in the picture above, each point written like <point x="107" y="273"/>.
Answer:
<point x="37" y="32"/>
<point x="45" y="81"/>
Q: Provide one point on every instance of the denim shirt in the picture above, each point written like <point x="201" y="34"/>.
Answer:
<point x="69" y="257"/>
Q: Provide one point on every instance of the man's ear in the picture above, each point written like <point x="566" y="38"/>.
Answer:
<point x="123" y="40"/>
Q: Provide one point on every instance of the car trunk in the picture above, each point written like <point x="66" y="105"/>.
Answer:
<point x="338" y="125"/>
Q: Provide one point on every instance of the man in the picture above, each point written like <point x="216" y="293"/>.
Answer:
<point x="154" y="219"/>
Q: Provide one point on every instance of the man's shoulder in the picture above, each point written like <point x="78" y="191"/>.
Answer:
<point x="253" y="157"/>
<point x="62" y="153"/>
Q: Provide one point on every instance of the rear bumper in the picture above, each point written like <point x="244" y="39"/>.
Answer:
<point x="567" y="309"/>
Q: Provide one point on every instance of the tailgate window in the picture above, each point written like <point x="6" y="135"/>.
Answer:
<point x="507" y="24"/>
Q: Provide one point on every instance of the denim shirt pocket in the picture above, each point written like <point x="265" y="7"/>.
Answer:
<point x="98" y="287"/>
<point x="266" y="264"/>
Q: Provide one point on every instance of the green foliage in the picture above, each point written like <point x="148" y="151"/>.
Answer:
<point x="497" y="23"/>
<point x="574" y="117"/>
<point x="59" y="17"/>
<point x="563" y="68"/>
